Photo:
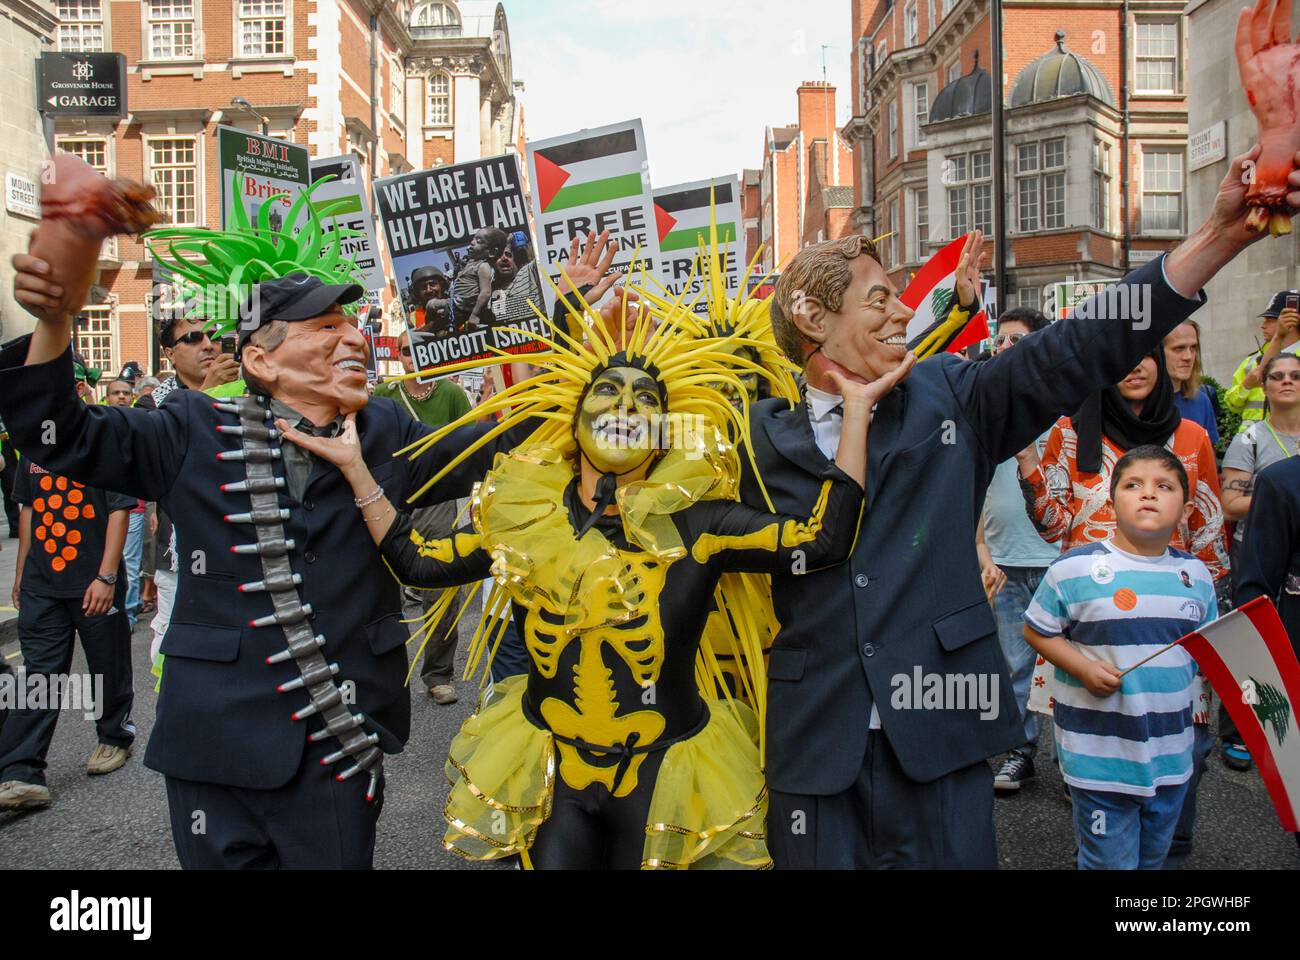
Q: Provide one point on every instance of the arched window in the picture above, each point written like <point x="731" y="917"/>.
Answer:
<point x="435" y="15"/>
<point x="439" y="110"/>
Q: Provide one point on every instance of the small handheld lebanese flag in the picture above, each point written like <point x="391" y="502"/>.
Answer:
<point x="1248" y="659"/>
<point x="931" y="294"/>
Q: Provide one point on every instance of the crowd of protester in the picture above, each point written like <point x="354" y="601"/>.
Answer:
<point x="1072" y="488"/>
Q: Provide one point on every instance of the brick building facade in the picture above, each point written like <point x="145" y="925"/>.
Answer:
<point x="403" y="85"/>
<point x="1095" y="120"/>
<point x="803" y="168"/>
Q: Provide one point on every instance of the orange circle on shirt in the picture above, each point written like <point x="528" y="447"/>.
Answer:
<point x="58" y="529"/>
<point x="74" y="496"/>
<point x="47" y="519"/>
<point x="69" y="553"/>
<point x="40" y="533"/>
<point x="1125" y="599"/>
<point x="71" y="513"/>
<point x="39" y="504"/>
<point x="56" y="501"/>
<point x="46" y="482"/>
<point x="58" y="564"/>
<point x="50" y="546"/>
<point x="77" y="485"/>
<point x="89" y="512"/>
<point x="74" y="536"/>
<point x="61" y="483"/>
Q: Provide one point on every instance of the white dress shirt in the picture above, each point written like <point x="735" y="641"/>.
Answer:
<point x="826" y="414"/>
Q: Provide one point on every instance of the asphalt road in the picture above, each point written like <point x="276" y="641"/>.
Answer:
<point x="120" y="820"/>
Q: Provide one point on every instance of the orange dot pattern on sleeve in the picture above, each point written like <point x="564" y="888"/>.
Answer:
<point x="71" y="513"/>
<point x="74" y="536"/>
<point x="89" y="512"/>
<point x="55" y="501"/>
<point x="47" y="482"/>
<point x="74" y="496"/>
<point x="61" y="483"/>
<point x="39" y="504"/>
<point x="58" y="564"/>
<point x="51" y="546"/>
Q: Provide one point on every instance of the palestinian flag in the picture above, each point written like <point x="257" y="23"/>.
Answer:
<point x="682" y="216"/>
<point x="931" y="295"/>
<point x="600" y="169"/>
<point x="1248" y="659"/>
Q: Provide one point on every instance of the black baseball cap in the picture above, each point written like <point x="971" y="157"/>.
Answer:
<point x="1278" y="303"/>
<point x="297" y="296"/>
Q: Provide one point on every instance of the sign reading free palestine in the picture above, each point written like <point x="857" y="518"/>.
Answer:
<point x="589" y="182"/>
<point x="269" y="167"/>
<point x="682" y="216"/>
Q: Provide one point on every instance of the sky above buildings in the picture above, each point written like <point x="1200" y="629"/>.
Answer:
<point x="705" y="76"/>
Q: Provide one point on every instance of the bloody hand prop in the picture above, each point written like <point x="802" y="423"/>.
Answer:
<point x="1270" y="73"/>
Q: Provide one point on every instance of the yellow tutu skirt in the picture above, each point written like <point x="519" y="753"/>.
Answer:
<point x="708" y="810"/>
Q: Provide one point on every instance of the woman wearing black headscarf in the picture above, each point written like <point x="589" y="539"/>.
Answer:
<point x="1069" y="491"/>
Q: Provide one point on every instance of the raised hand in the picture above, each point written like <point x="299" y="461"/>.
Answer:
<point x="589" y="266"/>
<point x="972" y="260"/>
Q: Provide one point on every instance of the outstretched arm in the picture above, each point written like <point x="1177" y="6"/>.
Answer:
<point x="414" y="560"/>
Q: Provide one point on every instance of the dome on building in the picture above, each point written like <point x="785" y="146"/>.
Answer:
<point x="966" y="96"/>
<point x="1059" y="73"/>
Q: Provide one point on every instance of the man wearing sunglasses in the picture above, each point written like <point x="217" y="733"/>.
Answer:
<point x="197" y="359"/>
<point x="433" y="404"/>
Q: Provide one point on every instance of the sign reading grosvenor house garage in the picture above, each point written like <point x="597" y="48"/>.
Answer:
<point x="82" y="85"/>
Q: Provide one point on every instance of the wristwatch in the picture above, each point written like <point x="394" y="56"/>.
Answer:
<point x="111" y="579"/>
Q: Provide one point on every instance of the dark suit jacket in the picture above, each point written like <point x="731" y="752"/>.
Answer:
<point x="220" y="719"/>
<point x="910" y="598"/>
<point x="1268" y="563"/>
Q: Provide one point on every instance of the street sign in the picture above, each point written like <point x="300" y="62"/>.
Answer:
<point x="22" y="196"/>
<point x="82" y="85"/>
<point x="1207" y="146"/>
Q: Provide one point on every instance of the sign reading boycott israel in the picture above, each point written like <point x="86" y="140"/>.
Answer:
<point x="590" y="182"/>
<point x="683" y="220"/>
<point x="267" y="169"/>
<point x="462" y="256"/>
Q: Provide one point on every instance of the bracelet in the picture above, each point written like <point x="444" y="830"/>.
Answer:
<point x="379" y="516"/>
<point x="373" y="497"/>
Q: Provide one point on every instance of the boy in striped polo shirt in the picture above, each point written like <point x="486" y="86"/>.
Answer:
<point x="1125" y="745"/>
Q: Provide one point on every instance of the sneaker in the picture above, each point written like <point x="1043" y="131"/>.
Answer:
<point x="16" y="795"/>
<point x="443" y="694"/>
<point x="1016" y="769"/>
<point x="106" y="759"/>
<point x="1236" y="756"/>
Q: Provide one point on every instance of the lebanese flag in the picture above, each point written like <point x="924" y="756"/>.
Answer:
<point x="931" y="294"/>
<point x="1248" y="659"/>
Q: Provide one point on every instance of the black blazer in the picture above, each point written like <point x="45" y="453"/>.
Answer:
<point x="910" y="596"/>
<point x="1268" y="562"/>
<point x="220" y="719"/>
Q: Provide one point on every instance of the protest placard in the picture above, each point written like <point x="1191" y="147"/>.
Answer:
<point x="462" y="255"/>
<point x="347" y="185"/>
<point x="268" y="168"/>
<point x="682" y="216"/>
<point x="588" y="182"/>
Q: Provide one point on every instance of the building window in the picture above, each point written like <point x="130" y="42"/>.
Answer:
<point x="439" y="100"/>
<point x="1157" y="57"/>
<point x="891" y="227"/>
<point x="396" y="88"/>
<point x="173" y="166"/>
<point x="947" y="6"/>
<point x="920" y="224"/>
<point x="93" y="334"/>
<point x="435" y="15"/>
<point x="94" y="152"/>
<point x="910" y="26"/>
<point x="1030" y="297"/>
<point x="81" y="26"/>
<point x="1101" y="185"/>
<point x="970" y="192"/>
<point x="891" y="131"/>
<point x="170" y="29"/>
<point x="262" y="28"/>
<point x="1040" y="185"/>
<point x="1162" y="190"/>
<point x="920" y="114"/>
<point x="929" y="17"/>
<point x="953" y="72"/>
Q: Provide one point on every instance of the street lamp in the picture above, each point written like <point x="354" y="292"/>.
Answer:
<point x="245" y="105"/>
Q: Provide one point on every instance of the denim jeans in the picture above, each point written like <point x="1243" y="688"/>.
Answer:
<point x="1181" y="846"/>
<point x="1118" y="831"/>
<point x="131" y="554"/>
<point x="1009" y="607"/>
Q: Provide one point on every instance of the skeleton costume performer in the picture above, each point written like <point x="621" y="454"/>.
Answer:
<point x="606" y="754"/>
